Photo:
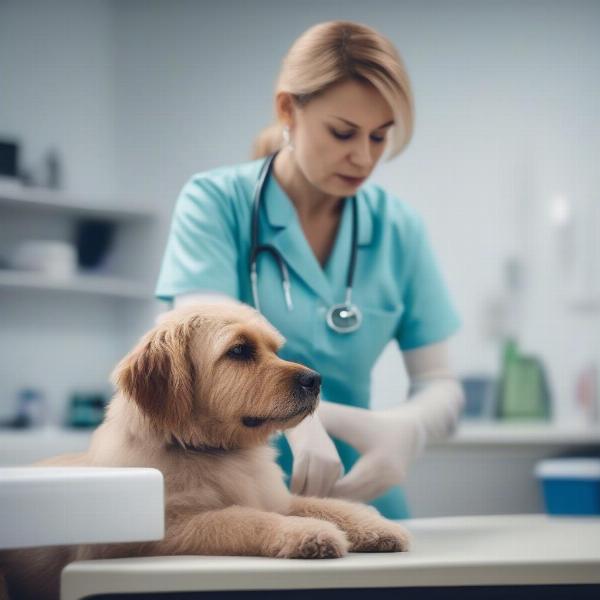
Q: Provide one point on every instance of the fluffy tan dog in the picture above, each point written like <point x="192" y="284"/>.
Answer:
<point x="198" y="398"/>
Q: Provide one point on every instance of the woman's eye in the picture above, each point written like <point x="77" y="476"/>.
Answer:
<point x="241" y="352"/>
<point x="341" y="136"/>
<point x="347" y="136"/>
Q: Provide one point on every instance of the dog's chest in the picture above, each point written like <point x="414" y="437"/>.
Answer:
<point x="250" y="479"/>
<point x="263" y="490"/>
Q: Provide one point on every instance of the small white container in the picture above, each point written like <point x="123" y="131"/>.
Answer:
<point x="53" y="258"/>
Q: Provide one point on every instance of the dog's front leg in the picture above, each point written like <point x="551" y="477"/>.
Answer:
<point x="367" y="530"/>
<point x="240" y="530"/>
<point x="237" y="530"/>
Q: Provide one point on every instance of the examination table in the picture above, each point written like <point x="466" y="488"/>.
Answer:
<point x="533" y="556"/>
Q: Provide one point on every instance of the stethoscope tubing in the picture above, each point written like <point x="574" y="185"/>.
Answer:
<point x="256" y="249"/>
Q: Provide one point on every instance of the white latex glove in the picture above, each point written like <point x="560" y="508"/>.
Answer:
<point x="317" y="464"/>
<point x="389" y="440"/>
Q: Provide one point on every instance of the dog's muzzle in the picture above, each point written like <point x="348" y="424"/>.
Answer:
<point x="305" y="395"/>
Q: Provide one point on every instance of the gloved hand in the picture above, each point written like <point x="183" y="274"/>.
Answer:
<point x="317" y="464"/>
<point x="389" y="440"/>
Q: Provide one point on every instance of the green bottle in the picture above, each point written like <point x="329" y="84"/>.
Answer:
<point x="523" y="392"/>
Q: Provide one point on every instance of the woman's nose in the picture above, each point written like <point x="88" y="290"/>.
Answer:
<point x="361" y="155"/>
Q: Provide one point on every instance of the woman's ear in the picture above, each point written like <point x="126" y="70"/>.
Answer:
<point x="158" y="375"/>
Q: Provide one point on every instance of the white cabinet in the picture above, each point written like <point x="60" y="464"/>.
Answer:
<point x="62" y="335"/>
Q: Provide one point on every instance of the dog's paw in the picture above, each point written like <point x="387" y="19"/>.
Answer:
<point x="378" y="535"/>
<point x="304" y="537"/>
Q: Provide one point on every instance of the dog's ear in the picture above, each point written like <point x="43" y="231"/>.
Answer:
<point x="158" y="375"/>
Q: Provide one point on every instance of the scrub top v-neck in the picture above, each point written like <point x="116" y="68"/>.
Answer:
<point x="397" y="283"/>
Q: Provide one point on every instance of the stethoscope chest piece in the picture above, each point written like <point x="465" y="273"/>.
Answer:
<point x="344" y="318"/>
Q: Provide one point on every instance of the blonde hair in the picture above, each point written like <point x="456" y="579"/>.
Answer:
<point x="334" y="52"/>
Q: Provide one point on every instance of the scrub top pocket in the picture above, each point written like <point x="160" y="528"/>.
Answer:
<point x="351" y="356"/>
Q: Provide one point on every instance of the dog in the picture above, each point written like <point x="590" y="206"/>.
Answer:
<point x="198" y="398"/>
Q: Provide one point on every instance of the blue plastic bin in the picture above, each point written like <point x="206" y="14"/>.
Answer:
<point x="570" y="486"/>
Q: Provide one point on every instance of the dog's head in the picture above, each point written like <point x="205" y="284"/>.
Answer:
<point x="209" y="375"/>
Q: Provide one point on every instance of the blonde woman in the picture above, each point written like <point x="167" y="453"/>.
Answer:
<point x="339" y="265"/>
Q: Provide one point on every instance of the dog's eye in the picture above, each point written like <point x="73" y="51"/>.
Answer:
<point x="242" y="352"/>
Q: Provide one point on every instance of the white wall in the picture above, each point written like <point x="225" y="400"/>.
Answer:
<point x="57" y="87"/>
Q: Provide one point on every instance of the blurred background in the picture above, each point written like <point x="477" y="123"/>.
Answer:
<point x="107" y="108"/>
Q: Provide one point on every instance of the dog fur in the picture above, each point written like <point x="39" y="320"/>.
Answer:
<point x="198" y="398"/>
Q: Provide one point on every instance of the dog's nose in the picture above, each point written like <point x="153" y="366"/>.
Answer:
<point x="309" y="381"/>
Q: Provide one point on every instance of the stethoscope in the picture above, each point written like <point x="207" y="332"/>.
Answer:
<point x="342" y="318"/>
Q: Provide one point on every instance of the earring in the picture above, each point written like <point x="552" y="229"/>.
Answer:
<point x="286" y="137"/>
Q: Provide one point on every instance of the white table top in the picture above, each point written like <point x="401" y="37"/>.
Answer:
<point x="451" y="551"/>
<point x="73" y="505"/>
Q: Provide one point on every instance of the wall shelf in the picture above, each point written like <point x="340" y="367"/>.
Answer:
<point x="25" y="446"/>
<point x="531" y="434"/>
<point x="81" y="283"/>
<point x="38" y="200"/>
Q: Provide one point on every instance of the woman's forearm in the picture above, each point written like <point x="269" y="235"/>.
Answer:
<point x="435" y="410"/>
<point x="435" y="394"/>
<point x="438" y="406"/>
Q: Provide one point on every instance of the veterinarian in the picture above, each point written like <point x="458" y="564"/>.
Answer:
<point x="337" y="264"/>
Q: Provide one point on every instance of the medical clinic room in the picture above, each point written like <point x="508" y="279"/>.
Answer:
<point x="299" y="299"/>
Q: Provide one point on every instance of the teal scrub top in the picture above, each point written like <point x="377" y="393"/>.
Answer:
<point x="397" y="283"/>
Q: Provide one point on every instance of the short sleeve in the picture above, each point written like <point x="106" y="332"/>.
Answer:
<point x="429" y="314"/>
<point x="201" y="253"/>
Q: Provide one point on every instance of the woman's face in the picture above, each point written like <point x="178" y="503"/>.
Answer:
<point x="341" y="133"/>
